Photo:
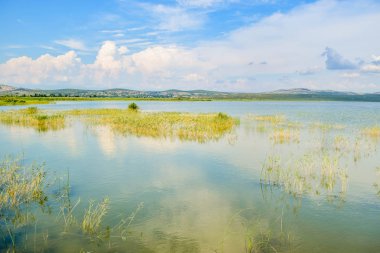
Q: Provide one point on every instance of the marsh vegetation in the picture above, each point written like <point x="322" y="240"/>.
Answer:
<point x="185" y="126"/>
<point x="187" y="182"/>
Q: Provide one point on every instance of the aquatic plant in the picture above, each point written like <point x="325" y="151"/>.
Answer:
<point x="308" y="174"/>
<point x="34" y="118"/>
<point x="284" y="135"/>
<point x="133" y="106"/>
<point x="326" y="126"/>
<point x="93" y="217"/>
<point x="272" y="119"/>
<point x="372" y="132"/>
<point x="377" y="183"/>
<point x="21" y="190"/>
<point x="185" y="126"/>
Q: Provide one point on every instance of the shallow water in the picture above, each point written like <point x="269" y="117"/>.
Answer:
<point x="208" y="197"/>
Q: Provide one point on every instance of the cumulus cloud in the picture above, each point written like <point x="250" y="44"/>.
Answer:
<point x="284" y="40"/>
<point x="334" y="61"/>
<point x="46" y="68"/>
<point x="113" y="65"/>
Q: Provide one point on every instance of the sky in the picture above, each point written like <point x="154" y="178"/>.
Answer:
<point x="224" y="45"/>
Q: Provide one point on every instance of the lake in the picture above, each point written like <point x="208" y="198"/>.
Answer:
<point x="308" y="185"/>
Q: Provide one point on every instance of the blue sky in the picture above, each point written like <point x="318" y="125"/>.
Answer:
<point x="232" y="45"/>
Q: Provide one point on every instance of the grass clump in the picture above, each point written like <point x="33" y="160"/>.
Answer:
<point x="372" y="132"/>
<point x="272" y="119"/>
<point x="34" y="118"/>
<point x="19" y="185"/>
<point x="309" y="174"/>
<point x="93" y="217"/>
<point x="185" y="126"/>
<point x="133" y="107"/>
<point x="21" y="191"/>
<point x="284" y="135"/>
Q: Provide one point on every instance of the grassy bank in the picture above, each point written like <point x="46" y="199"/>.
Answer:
<point x="23" y="101"/>
<point x="8" y="101"/>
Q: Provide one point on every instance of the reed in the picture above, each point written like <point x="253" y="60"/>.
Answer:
<point x="284" y="135"/>
<point x="185" y="126"/>
<point x="372" y="132"/>
<point x="93" y="217"/>
<point x="33" y="118"/>
<point x="308" y="174"/>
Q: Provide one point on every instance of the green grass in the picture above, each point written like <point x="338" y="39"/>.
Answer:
<point x="22" y="101"/>
<point x="372" y="132"/>
<point x="185" y="126"/>
<point x="26" y="196"/>
<point x="308" y="174"/>
<point x="33" y="118"/>
<point x="7" y="101"/>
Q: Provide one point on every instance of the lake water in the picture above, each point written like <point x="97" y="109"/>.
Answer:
<point x="211" y="197"/>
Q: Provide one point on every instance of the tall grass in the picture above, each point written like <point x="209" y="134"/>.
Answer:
<point x="372" y="132"/>
<point x="33" y="118"/>
<point x="93" y="217"/>
<point x="185" y="126"/>
<point x="308" y="174"/>
<point x="21" y="190"/>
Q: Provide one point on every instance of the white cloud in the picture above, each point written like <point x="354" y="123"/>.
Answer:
<point x="199" y="3"/>
<point x="376" y="60"/>
<point x="175" y="18"/>
<point x="371" y="68"/>
<point x="46" y="68"/>
<point x="351" y="75"/>
<point x="290" y="43"/>
<point x="72" y="44"/>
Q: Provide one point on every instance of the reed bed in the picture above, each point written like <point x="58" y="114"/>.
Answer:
<point x="372" y="132"/>
<point x="23" y="189"/>
<point x="33" y="118"/>
<point x="185" y="126"/>
<point x="309" y="174"/>
<point x="279" y="129"/>
<point x="19" y="185"/>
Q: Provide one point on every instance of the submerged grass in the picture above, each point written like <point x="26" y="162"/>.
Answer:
<point x="93" y="217"/>
<point x="23" y="189"/>
<point x="309" y="174"/>
<point x="19" y="185"/>
<point x="34" y="118"/>
<point x="372" y="132"/>
<point x="185" y="126"/>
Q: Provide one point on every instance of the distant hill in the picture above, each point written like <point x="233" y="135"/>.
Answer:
<point x="282" y="94"/>
<point x="4" y="88"/>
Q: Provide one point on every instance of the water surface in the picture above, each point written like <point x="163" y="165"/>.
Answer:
<point x="209" y="197"/>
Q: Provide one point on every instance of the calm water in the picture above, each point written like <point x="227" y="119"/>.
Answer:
<point x="207" y="197"/>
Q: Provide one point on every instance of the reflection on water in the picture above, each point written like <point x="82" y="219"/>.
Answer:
<point x="282" y="181"/>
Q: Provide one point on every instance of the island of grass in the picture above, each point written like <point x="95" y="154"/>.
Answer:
<point x="198" y="127"/>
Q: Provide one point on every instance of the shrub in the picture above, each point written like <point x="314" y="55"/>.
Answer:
<point x="133" y="106"/>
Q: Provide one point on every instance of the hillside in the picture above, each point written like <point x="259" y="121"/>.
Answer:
<point x="282" y="94"/>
